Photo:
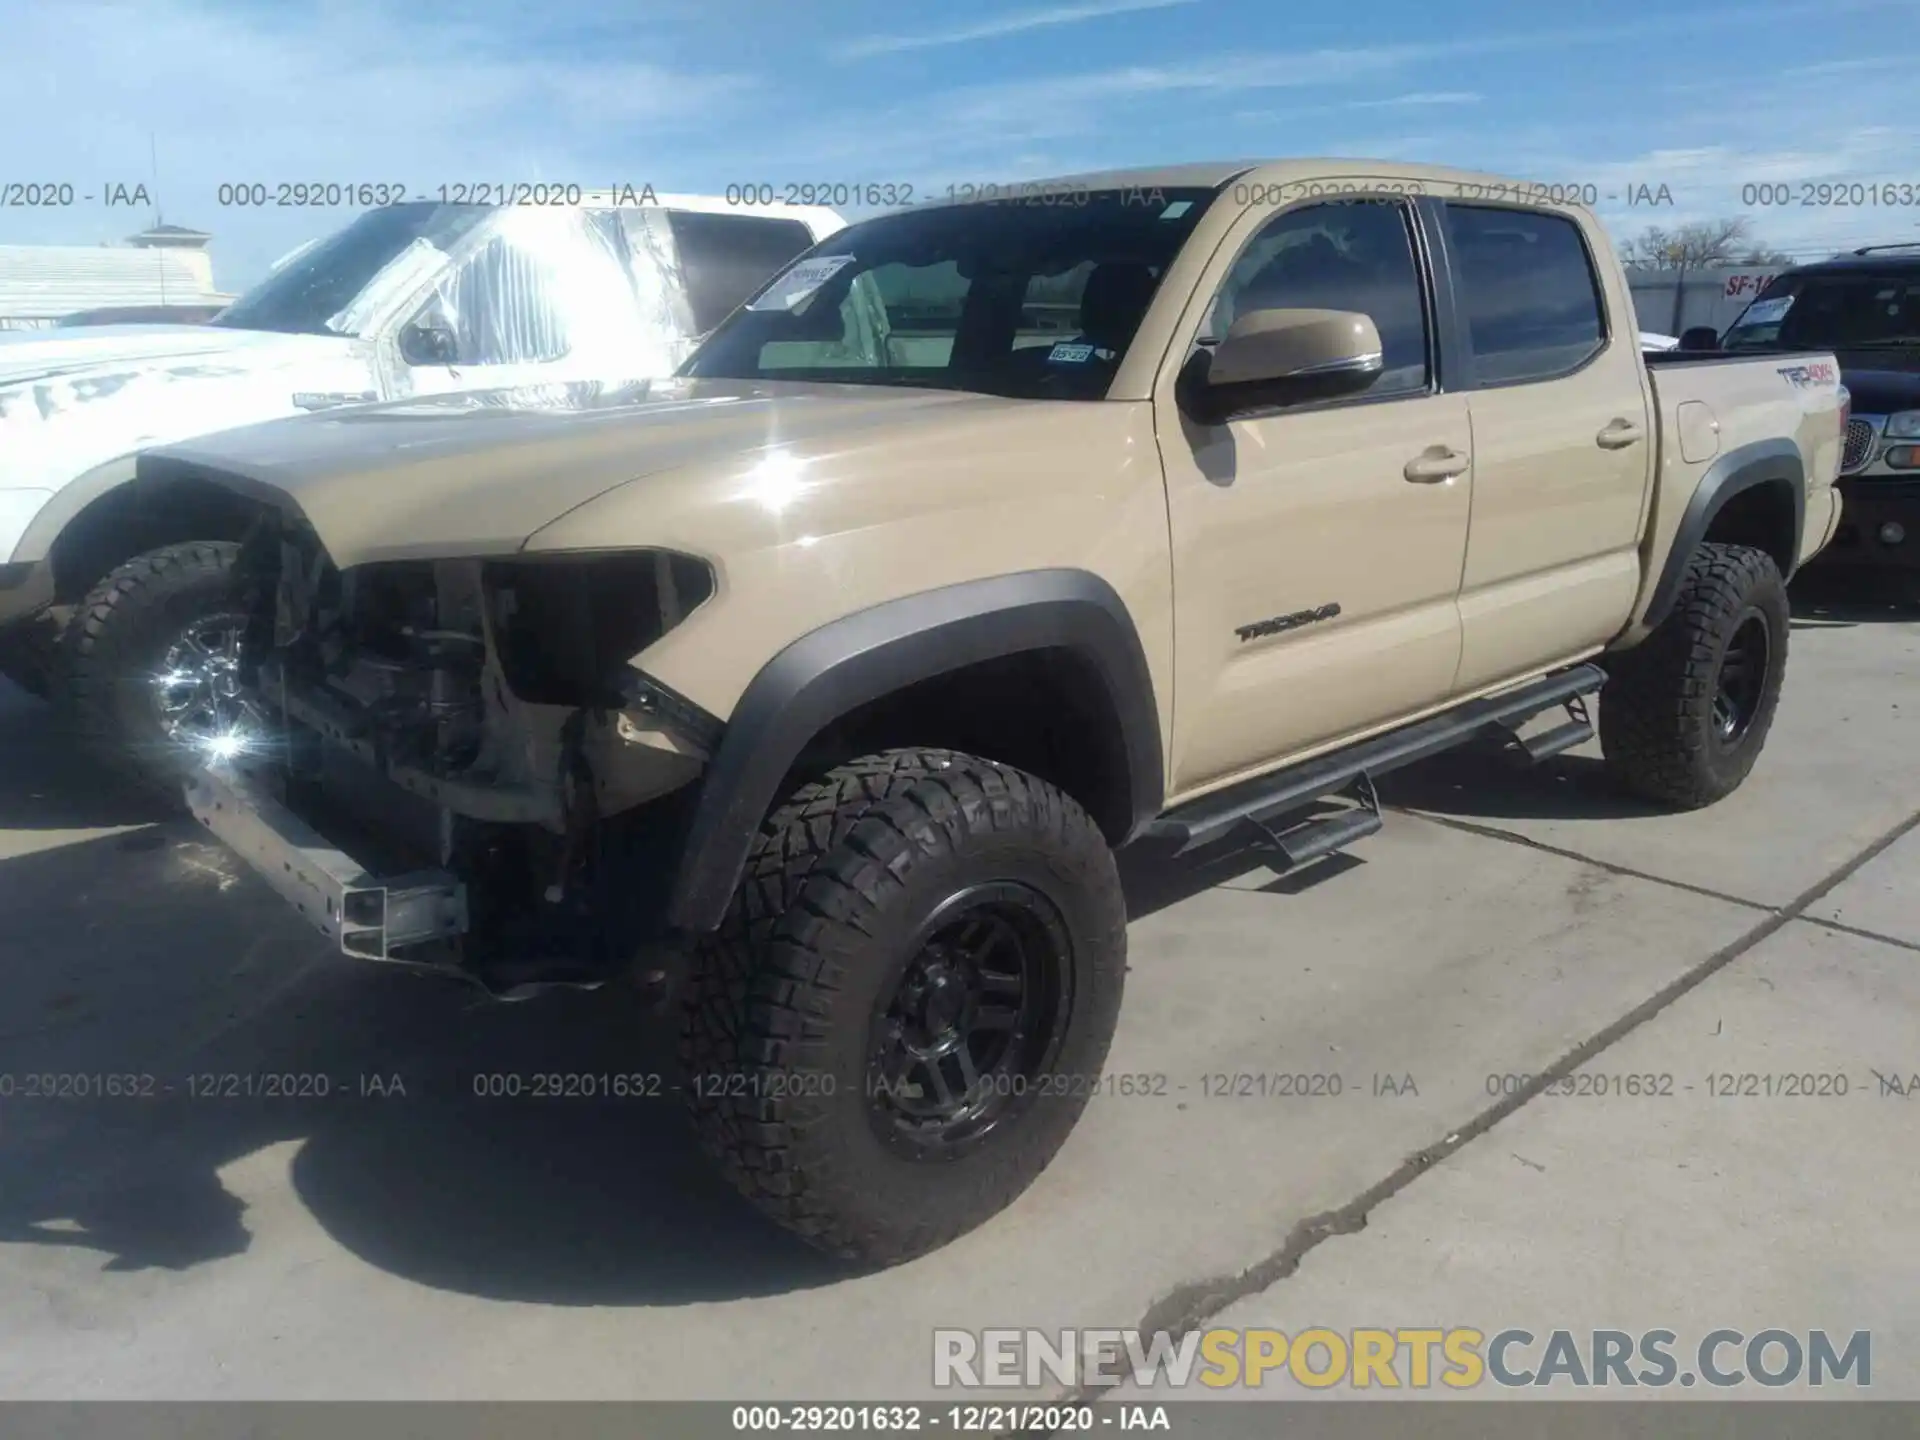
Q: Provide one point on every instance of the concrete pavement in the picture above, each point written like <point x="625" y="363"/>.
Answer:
<point x="432" y="1243"/>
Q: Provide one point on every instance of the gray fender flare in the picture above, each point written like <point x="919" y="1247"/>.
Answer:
<point x="1765" y="462"/>
<point x="862" y="657"/>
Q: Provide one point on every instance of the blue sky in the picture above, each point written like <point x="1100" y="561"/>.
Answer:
<point x="1704" y="97"/>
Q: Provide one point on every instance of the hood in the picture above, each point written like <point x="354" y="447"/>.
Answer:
<point x="70" y="400"/>
<point x="1877" y="388"/>
<point x="478" y="474"/>
<point x="29" y="355"/>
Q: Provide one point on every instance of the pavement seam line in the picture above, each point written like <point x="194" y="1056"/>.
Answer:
<point x="1188" y="1307"/>
<point x="1514" y="837"/>
<point x="1857" y="932"/>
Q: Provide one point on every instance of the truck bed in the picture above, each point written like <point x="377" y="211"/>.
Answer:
<point x="1720" y="411"/>
<point x="1673" y="359"/>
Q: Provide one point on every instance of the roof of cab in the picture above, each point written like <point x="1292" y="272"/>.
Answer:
<point x="1879" y="257"/>
<point x="1213" y="174"/>
<point x="819" y="219"/>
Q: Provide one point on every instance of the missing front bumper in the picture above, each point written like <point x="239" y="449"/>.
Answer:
<point x="370" y="918"/>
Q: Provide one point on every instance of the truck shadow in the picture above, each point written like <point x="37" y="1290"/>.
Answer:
<point x="150" y="961"/>
<point x="1828" y="599"/>
<point x="47" y="784"/>
<point x="1486" y="781"/>
<point x="161" y="962"/>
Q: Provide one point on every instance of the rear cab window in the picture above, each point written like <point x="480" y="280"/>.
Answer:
<point x="1527" y="292"/>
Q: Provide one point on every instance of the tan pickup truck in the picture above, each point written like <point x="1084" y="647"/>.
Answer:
<point x="815" y="687"/>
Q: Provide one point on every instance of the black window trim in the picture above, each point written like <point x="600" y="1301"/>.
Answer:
<point x="1459" y="338"/>
<point x="1426" y="275"/>
<point x="809" y="243"/>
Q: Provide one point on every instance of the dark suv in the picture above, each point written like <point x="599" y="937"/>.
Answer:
<point x="1865" y="307"/>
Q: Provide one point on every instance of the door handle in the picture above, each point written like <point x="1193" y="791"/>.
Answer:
<point x="1435" y="464"/>
<point x="1619" y="434"/>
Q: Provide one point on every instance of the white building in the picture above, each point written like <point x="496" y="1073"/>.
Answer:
<point x="1713" y="297"/>
<point x="166" y="265"/>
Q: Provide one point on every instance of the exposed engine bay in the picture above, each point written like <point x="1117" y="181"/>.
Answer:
<point x="478" y="719"/>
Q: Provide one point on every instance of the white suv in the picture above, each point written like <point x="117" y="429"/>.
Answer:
<point x="113" y="595"/>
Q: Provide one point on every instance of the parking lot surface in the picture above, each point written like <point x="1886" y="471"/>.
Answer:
<point x="403" y="1236"/>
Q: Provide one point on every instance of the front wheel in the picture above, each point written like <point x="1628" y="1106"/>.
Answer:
<point x="1684" y="715"/>
<point x="909" y="1003"/>
<point x="151" y="663"/>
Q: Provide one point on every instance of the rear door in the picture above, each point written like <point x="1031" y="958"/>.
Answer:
<point x="1562" y="439"/>
<point x="1317" y="547"/>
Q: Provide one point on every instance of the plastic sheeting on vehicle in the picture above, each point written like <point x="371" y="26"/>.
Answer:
<point x="568" y="284"/>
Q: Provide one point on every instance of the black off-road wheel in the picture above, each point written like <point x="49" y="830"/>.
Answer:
<point x="149" y="670"/>
<point x="909" y="1003"/>
<point x="1684" y="715"/>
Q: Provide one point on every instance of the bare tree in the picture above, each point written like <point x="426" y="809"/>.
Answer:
<point x="1765" y="257"/>
<point x="1691" y="247"/>
<point x="1697" y="246"/>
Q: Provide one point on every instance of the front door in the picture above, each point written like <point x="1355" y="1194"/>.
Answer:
<point x="1317" y="549"/>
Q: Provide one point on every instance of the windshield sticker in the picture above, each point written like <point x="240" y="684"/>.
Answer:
<point x="1067" y="353"/>
<point x="1767" y="312"/>
<point x="1176" y="210"/>
<point x="801" y="281"/>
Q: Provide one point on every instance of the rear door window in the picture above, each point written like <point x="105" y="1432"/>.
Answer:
<point x="1528" y="293"/>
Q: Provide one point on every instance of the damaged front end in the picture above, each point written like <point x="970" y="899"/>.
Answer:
<point x="460" y="769"/>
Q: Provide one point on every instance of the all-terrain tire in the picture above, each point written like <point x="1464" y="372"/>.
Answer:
<point x="777" y="1026"/>
<point x="116" y="641"/>
<point x="1658" y="726"/>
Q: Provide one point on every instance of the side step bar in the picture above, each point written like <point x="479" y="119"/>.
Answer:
<point x="1577" y="729"/>
<point x="1272" y="796"/>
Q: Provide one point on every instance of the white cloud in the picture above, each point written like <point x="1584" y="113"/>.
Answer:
<point x="338" y="93"/>
<point x="1420" y="97"/>
<point x="1858" y="63"/>
<point x="995" y="29"/>
<point x="490" y="91"/>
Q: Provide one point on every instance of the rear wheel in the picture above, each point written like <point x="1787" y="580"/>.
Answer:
<point x="1684" y="714"/>
<point x="906" y="1009"/>
<point x="151" y="673"/>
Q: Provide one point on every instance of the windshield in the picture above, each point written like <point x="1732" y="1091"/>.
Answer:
<point x="320" y="282"/>
<point x="1038" y="297"/>
<point x="1849" y="311"/>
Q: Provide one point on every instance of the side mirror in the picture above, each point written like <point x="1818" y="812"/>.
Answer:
<point x="1285" y="357"/>
<point x="1700" y="337"/>
<point x="428" y="344"/>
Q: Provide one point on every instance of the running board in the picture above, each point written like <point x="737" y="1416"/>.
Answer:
<point x="1307" y="842"/>
<point x="1576" y="729"/>
<point x="1272" y="796"/>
